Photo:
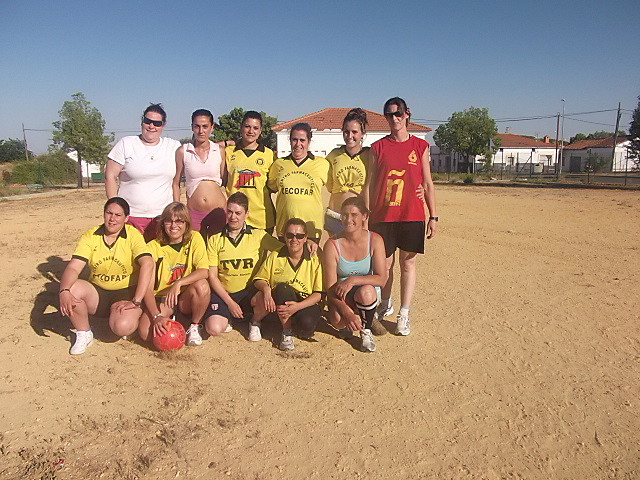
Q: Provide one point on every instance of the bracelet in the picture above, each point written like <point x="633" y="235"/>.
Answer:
<point x="65" y="290"/>
<point x="435" y="219"/>
<point x="135" y="302"/>
<point x="157" y="315"/>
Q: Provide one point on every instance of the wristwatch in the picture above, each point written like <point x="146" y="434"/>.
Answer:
<point x="136" y="302"/>
<point x="435" y="219"/>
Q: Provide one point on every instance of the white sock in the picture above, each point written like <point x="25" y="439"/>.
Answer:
<point x="404" y="311"/>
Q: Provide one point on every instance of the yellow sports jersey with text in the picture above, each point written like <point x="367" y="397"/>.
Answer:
<point x="174" y="262"/>
<point x="238" y="259"/>
<point x="347" y="173"/>
<point x="247" y="173"/>
<point x="299" y="191"/>
<point x="112" y="267"/>
<point x="305" y="278"/>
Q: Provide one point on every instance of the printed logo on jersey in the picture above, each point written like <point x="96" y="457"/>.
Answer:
<point x="236" y="263"/>
<point x="246" y="179"/>
<point x="413" y="158"/>
<point x="395" y="187"/>
<point x="351" y="176"/>
<point x="294" y="178"/>
<point x="177" y="273"/>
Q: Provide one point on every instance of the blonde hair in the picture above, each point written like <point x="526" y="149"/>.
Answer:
<point x="174" y="209"/>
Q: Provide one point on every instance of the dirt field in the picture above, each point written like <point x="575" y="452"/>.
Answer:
<point x="523" y="362"/>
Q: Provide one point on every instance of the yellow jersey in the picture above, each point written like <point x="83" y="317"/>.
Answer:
<point x="238" y="259"/>
<point x="299" y="191"/>
<point x="247" y="172"/>
<point x="305" y="278"/>
<point x="112" y="267"/>
<point x="347" y="173"/>
<point x="175" y="261"/>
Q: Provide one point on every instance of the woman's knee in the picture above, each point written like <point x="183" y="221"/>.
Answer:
<point x="215" y="325"/>
<point x="284" y="292"/>
<point x="201" y="289"/>
<point x="365" y="295"/>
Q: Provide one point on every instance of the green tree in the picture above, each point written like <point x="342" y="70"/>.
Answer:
<point x="81" y="128"/>
<point x="12" y="150"/>
<point x="228" y="127"/>
<point x="634" y="135"/>
<point x="470" y="132"/>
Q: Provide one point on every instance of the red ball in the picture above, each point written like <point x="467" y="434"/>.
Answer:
<point x="172" y="340"/>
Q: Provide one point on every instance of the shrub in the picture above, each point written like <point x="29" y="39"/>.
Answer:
<point x="468" y="179"/>
<point x="435" y="176"/>
<point x="49" y="169"/>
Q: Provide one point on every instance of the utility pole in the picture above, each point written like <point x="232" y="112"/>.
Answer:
<point x="557" y="133"/>
<point x="562" y="135"/>
<point x="26" y="149"/>
<point x="615" y="139"/>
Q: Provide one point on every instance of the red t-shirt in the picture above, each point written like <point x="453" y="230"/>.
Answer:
<point x="399" y="173"/>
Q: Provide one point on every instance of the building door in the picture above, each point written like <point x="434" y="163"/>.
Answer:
<point x="574" y="164"/>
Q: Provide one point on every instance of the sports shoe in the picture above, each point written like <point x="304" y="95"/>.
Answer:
<point x="286" y="343"/>
<point x="377" y="328"/>
<point x="193" y="335"/>
<point x="368" y="343"/>
<point x="254" y="333"/>
<point x="228" y="329"/>
<point x="383" y="311"/>
<point x="403" y="326"/>
<point x="83" y="340"/>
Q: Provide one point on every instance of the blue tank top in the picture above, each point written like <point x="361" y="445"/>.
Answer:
<point x="352" y="269"/>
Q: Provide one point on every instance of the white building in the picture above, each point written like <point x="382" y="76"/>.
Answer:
<point x="576" y="155"/>
<point x="326" y="127"/>
<point x="87" y="168"/>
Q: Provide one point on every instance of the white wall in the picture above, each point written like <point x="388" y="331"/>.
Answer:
<point x="619" y="159"/>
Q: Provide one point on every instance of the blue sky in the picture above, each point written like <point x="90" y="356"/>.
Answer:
<point x="519" y="59"/>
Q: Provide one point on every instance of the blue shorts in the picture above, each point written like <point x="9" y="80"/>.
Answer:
<point x="332" y="224"/>
<point x="242" y="298"/>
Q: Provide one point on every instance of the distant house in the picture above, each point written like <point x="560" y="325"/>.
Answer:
<point x="326" y="126"/>
<point x="516" y="154"/>
<point x="87" y="168"/>
<point x="578" y="154"/>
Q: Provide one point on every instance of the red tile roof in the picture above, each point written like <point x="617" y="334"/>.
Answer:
<point x="595" y="143"/>
<point x="331" y="118"/>
<point x="509" y="140"/>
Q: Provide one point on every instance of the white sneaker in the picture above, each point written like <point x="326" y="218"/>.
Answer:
<point x="383" y="311"/>
<point x="254" y="333"/>
<point x="286" y="343"/>
<point x="368" y="343"/>
<point x="403" y="326"/>
<point x="83" y="340"/>
<point x="193" y="335"/>
<point x="228" y="329"/>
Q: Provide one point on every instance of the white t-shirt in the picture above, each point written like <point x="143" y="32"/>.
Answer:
<point x="147" y="174"/>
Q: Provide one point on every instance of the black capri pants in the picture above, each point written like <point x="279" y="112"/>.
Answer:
<point x="305" y="320"/>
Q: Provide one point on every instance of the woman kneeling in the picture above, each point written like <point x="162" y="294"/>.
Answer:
<point x="354" y="271"/>
<point x="182" y="268"/>
<point x="289" y="282"/>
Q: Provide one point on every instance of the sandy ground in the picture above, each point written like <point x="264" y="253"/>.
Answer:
<point x="523" y="362"/>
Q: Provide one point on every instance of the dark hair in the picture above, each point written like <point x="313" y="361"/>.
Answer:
<point x="239" y="199"/>
<point x="400" y="103"/>
<point x="357" y="202"/>
<point x="305" y="127"/>
<point x="295" y="221"/>
<point x="356" y="114"/>
<point x="179" y="210"/>
<point x="202" y="112"/>
<point x="252" y="114"/>
<point x="156" y="108"/>
<point x="118" y="201"/>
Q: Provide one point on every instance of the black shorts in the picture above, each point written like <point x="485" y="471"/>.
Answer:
<point x="407" y="236"/>
<point x="242" y="298"/>
<point x="106" y="298"/>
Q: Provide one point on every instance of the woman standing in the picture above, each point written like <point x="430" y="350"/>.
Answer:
<point x="203" y="164"/>
<point x="349" y="165"/>
<point x="120" y="269"/>
<point x="399" y="164"/>
<point x="354" y="270"/>
<point x="289" y="282"/>
<point x="182" y="268"/>
<point x="140" y="169"/>
<point x="248" y="166"/>
<point x="298" y="178"/>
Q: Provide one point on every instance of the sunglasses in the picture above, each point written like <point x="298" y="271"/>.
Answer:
<point x="148" y="121"/>
<point x="397" y="114"/>
<point x="291" y="236"/>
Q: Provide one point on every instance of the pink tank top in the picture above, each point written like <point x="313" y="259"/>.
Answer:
<point x="195" y="170"/>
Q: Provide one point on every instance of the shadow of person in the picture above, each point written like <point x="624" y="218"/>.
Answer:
<point x="45" y="315"/>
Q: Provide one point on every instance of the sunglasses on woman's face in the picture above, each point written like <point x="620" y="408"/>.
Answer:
<point x="291" y="236"/>
<point x="397" y="113"/>
<point x="148" y="121"/>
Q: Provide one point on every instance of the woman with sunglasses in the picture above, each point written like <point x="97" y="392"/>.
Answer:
<point x="182" y="268"/>
<point x="354" y="270"/>
<point x="348" y="170"/>
<point x="248" y="164"/>
<point x="289" y="283"/>
<point x="202" y="162"/>
<point x="399" y="164"/>
<point x="120" y="269"/>
<point x="298" y="179"/>
<point x="140" y="169"/>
